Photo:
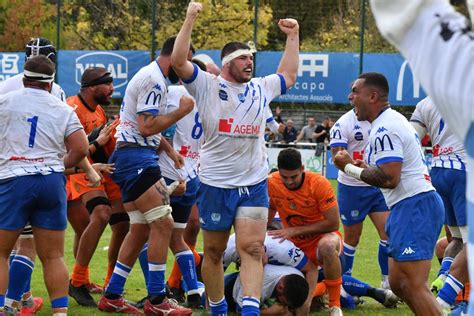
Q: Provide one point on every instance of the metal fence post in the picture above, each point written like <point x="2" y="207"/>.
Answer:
<point x="255" y="31"/>
<point x="58" y="34"/>
<point x="153" y="29"/>
<point x="362" y="32"/>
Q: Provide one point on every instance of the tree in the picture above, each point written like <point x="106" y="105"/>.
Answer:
<point x="22" y="20"/>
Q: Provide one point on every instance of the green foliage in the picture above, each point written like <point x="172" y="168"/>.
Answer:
<point x="21" y="20"/>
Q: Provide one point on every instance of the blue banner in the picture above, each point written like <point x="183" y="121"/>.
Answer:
<point x="123" y="65"/>
<point x="322" y="77"/>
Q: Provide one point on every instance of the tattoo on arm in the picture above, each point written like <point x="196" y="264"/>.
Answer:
<point x="376" y="177"/>
<point x="164" y="194"/>
<point x="147" y="116"/>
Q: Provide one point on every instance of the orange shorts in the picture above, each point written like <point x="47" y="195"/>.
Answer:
<point x="76" y="186"/>
<point x="310" y="248"/>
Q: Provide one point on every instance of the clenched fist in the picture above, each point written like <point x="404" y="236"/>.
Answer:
<point x="186" y="104"/>
<point x="288" y="26"/>
<point x="193" y="9"/>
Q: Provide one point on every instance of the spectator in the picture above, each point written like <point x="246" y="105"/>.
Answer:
<point x="290" y="132"/>
<point x="321" y="133"/>
<point x="307" y="131"/>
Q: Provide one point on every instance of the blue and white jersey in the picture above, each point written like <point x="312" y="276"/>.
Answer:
<point x="233" y="118"/>
<point x="16" y="82"/>
<point x="271" y="275"/>
<point x="33" y="128"/>
<point x="281" y="254"/>
<point x="186" y="139"/>
<point x="353" y="135"/>
<point x="393" y="139"/>
<point x="448" y="151"/>
<point x="146" y="92"/>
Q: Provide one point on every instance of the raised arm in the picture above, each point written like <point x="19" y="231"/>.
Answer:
<point x="184" y="68"/>
<point x="289" y="62"/>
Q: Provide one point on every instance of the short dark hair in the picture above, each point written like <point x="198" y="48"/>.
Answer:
<point x="295" y="290"/>
<point x="232" y="47"/>
<point x="377" y="80"/>
<point x="289" y="159"/>
<point x="200" y="64"/>
<point x="39" y="64"/>
<point x="168" y="45"/>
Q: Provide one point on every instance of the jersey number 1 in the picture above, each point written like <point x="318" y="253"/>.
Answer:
<point x="34" y="121"/>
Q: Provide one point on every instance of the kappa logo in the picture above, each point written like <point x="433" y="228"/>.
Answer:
<point x="140" y="170"/>
<point x="408" y="251"/>
<point x="356" y="127"/>
<point x="116" y="64"/>
<point x="381" y="130"/>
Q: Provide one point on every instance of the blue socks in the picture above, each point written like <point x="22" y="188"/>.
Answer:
<point x="383" y="257"/>
<point x="156" y="279"/>
<point x="218" y="308"/>
<point x="349" y="253"/>
<point x="118" y="279"/>
<point x="185" y="260"/>
<point x="143" y="259"/>
<point x="250" y="306"/>
<point x="19" y="277"/>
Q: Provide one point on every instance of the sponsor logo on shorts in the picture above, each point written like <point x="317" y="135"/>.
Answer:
<point x="408" y="251"/>
<point x="355" y="213"/>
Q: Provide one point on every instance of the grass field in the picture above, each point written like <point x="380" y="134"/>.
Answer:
<point x="365" y="268"/>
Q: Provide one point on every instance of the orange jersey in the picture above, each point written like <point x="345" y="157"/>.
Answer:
<point x="303" y="206"/>
<point x="89" y="119"/>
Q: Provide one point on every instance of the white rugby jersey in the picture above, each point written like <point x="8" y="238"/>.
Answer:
<point x="448" y="151"/>
<point x="284" y="253"/>
<point x="233" y="117"/>
<point x="353" y="135"/>
<point x="392" y="139"/>
<point x="186" y="139"/>
<point x="16" y="82"/>
<point x="33" y="127"/>
<point x="271" y="275"/>
<point x="146" y="92"/>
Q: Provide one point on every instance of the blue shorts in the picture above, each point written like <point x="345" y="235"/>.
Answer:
<point x="451" y="186"/>
<point x="355" y="203"/>
<point x="218" y="206"/>
<point x="413" y="227"/>
<point x="182" y="204"/>
<point x="136" y="170"/>
<point x="38" y="199"/>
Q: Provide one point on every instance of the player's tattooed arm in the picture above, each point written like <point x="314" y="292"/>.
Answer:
<point x="376" y="177"/>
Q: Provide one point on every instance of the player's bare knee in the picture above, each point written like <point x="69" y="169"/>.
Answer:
<point x="252" y="249"/>
<point x="100" y="208"/>
<point x="214" y="252"/>
<point x="327" y="251"/>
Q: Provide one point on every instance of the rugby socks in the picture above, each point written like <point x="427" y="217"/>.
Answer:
<point x="19" y="277"/>
<point x="143" y="259"/>
<point x="334" y="291"/>
<point x="156" y="279"/>
<point x="117" y="281"/>
<point x="445" y="265"/>
<point x="449" y="291"/>
<point x="354" y="286"/>
<point x="383" y="258"/>
<point x="59" y="306"/>
<point x="2" y="302"/>
<point x="349" y="254"/>
<point x="320" y="289"/>
<point x="175" y="276"/>
<point x="80" y="275"/>
<point x="185" y="260"/>
<point x="218" y="308"/>
<point x="250" y="306"/>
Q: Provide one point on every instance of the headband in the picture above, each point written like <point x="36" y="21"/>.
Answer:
<point x="105" y="78"/>
<point x="237" y="53"/>
<point x="38" y="76"/>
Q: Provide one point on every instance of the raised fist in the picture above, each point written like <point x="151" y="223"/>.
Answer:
<point x="193" y="9"/>
<point x="186" y="104"/>
<point x="288" y="26"/>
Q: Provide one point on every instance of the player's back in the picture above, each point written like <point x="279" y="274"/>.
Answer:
<point x="33" y="127"/>
<point x="448" y="151"/>
<point x="16" y="82"/>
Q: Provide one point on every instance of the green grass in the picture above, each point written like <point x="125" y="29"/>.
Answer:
<point x="365" y="268"/>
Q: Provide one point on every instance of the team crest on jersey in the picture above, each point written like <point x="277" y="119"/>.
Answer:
<point x="359" y="136"/>
<point x="241" y="97"/>
<point x="223" y="95"/>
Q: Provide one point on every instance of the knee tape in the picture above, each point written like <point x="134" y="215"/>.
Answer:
<point x="157" y="213"/>
<point x="118" y="218"/>
<point x="136" y="217"/>
<point x="459" y="232"/>
<point x="94" y="202"/>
